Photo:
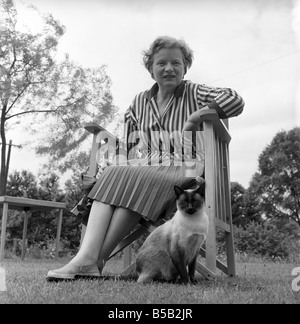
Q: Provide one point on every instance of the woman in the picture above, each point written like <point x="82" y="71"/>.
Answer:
<point x="125" y="193"/>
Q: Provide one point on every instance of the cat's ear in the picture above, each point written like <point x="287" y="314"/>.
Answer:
<point x="178" y="190"/>
<point x="201" y="190"/>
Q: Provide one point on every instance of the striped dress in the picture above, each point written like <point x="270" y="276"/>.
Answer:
<point x="145" y="184"/>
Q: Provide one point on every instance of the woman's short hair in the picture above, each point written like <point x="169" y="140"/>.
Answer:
<point x="168" y="42"/>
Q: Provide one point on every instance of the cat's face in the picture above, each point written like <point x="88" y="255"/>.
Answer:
<point x="190" y="201"/>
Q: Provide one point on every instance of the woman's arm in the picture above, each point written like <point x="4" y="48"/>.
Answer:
<point x="227" y="102"/>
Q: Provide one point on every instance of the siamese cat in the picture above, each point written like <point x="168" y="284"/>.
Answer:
<point x="174" y="246"/>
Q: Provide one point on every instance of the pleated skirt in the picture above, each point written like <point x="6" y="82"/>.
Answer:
<point x="142" y="188"/>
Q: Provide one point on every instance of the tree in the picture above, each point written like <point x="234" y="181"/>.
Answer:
<point x="237" y="194"/>
<point x="251" y="207"/>
<point x="244" y="205"/>
<point x="22" y="184"/>
<point x="33" y="82"/>
<point x="267" y="239"/>
<point x="42" y="225"/>
<point x="277" y="183"/>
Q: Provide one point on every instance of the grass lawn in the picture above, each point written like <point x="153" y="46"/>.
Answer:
<point x="257" y="282"/>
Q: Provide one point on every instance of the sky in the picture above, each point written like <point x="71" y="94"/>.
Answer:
<point x="252" y="46"/>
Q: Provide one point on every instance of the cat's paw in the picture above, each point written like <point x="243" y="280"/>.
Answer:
<point x="183" y="281"/>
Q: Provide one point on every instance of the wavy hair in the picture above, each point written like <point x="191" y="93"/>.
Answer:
<point x="168" y="42"/>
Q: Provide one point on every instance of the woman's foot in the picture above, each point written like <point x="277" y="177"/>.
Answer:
<point x="72" y="271"/>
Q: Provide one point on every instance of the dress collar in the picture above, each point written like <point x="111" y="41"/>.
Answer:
<point x="178" y="92"/>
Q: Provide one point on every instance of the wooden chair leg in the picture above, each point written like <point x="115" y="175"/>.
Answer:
<point x="230" y="254"/>
<point x="127" y="256"/>
<point x="204" y="271"/>
<point x="129" y="270"/>
<point x="211" y="246"/>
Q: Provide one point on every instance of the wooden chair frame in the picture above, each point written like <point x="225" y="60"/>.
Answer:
<point x="218" y="201"/>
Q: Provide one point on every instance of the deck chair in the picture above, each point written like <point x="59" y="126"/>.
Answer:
<point x="218" y="201"/>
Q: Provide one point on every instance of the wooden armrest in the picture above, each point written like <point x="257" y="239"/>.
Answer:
<point x="218" y="125"/>
<point x="208" y="117"/>
<point x="100" y="135"/>
<point x="95" y="129"/>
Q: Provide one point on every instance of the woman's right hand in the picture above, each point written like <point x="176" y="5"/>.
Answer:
<point x="194" y="120"/>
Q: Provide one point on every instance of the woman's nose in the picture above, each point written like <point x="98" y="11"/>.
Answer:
<point x="169" y="67"/>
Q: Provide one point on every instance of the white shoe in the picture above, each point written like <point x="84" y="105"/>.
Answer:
<point x="72" y="271"/>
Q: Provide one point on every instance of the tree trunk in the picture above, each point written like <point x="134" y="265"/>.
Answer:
<point x="3" y="156"/>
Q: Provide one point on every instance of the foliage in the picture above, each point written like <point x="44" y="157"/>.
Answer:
<point x="251" y="208"/>
<point x="267" y="239"/>
<point x="43" y="249"/>
<point x="22" y="184"/>
<point x="42" y="225"/>
<point x="266" y="216"/>
<point x="267" y="213"/>
<point x="237" y="203"/>
<point x="60" y="96"/>
<point x="277" y="183"/>
<point x="89" y="99"/>
<point x="243" y="205"/>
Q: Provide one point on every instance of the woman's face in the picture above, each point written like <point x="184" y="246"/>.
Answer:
<point x="168" y="68"/>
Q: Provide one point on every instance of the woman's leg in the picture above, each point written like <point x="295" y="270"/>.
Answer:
<point x="87" y="256"/>
<point x="106" y="227"/>
<point x="122" y="223"/>
<point x="97" y="227"/>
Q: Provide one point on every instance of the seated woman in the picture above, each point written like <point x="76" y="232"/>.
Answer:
<point x="126" y="192"/>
